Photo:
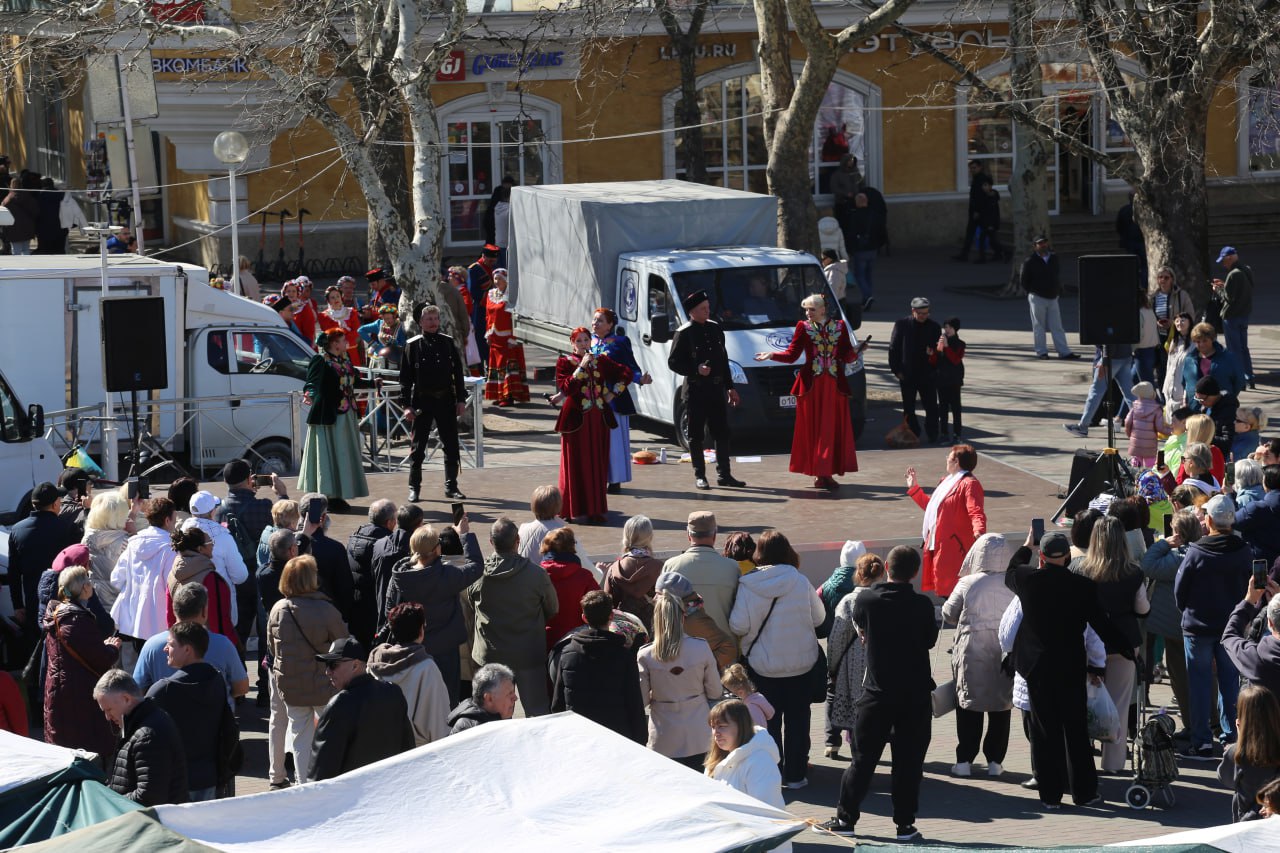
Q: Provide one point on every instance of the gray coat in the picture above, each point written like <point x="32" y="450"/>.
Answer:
<point x="1160" y="564"/>
<point x="975" y="606"/>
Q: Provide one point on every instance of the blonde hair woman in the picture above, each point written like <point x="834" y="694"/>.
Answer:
<point x="106" y="532"/>
<point x="1200" y="429"/>
<point x="678" y="676"/>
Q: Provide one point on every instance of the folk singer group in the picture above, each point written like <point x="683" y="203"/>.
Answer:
<point x="593" y="394"/>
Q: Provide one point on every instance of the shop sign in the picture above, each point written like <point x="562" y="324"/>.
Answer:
<point x="521" y="62"/>
<point x="940" y="39"/>
<point x="198" y="65"/>
<point x="714" y="50"/>
<point x="177" y="11"/>
<point x="454" y="68"/>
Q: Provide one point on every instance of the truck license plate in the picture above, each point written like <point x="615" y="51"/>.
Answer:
<point x="787" y="401"/>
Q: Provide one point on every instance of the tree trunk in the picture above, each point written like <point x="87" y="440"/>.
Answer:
<point x="1171" y="207"/>
<point x="1029" y="205"/>
<point x="389" y="161"/>
<point x="688" y="113"/>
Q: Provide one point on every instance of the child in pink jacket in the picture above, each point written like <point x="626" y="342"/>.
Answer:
<point x="1144" y="421"/>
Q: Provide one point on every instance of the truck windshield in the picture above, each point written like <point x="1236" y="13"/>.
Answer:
<point x="757" y="297"/>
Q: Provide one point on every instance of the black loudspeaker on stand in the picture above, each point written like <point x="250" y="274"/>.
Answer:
<point x="134" y="358"/>
<point x="1108" y="317"/>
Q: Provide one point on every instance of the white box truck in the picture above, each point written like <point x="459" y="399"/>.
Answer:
<point x="220" y="347"/>
<point x="640" y="247"/>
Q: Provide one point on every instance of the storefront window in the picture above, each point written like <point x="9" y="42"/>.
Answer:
<point x="989" y="137"/>
<point x="47" y="125"/>
<point x="733" y="141"/>
<point x="1263" y="122"/>
<point x="480" y="153"/>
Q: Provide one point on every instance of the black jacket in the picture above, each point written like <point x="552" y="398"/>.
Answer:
<point x="1056" y="606"/>
<point x="1258" y="662"/>
<point x="898" y="627"/>
<point x="1041" y="276"/>
<point x="387" y="552"/>
<point x="431" y="368"/>
<point x="866" y="228"/>
<point x="325" y="390"/>
<point x="33" y="543"/>
<point x="989" y="211"/>
<point x="1259" y="523"/>
<point x="908" y="348"/>
<point x="438" y="588"/>
<point x="1117" y="601"/>
<point x="468" y="715"/>
<point x="364" y="612"/>
<point x="334" y="569"/>
<point x="695" y="343"/>
<point x="194" y="697"/>
<point x="1210" y="581"/>
<point x="151" y="765"/>
<point x="269" y="583"/>
<point x="365" y="722"/>
<point x="597" y="678"/>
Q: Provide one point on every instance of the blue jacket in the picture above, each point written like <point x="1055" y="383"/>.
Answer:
<point x="1259" y="523"/>
<point x="1211" y="582"/>
<point x="1222" y="367"/>
<point x="618" y="348"/>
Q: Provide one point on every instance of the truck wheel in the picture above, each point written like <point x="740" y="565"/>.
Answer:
<point x="272" y="457"/>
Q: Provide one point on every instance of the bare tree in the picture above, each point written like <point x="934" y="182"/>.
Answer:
<point x="1182" y="53"/>
<point x="684" y="46"/>
<point x="791" y="104"/>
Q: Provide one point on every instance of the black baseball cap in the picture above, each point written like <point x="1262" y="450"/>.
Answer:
<point x="46" y="493"/>
<point x="236" y="471"/>
<point x="347" y="648"/>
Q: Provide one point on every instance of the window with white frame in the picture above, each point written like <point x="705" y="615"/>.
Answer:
<point x="1261" y="122"/>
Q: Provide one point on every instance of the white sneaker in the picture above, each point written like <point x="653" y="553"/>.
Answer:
<point x="796" y="785"/>
<point x="995" y="768"/>
<point x="964" y="768"/>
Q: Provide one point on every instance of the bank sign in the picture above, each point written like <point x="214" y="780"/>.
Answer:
<point x="548" y="63"/>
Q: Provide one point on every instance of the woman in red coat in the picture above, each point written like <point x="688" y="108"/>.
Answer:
<point x="823" y="441"/>
<point x="953" y="519"/>
<point x="339" y="316"/>
<point x="79" y="653"/>
<point x="559" y="551"/>
<point x="585" y="386"/>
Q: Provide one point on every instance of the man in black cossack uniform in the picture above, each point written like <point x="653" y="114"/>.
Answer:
<point x="698" y="354"/>
<point x="432" y="391"/>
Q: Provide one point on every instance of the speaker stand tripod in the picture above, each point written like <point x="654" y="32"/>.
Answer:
<point x="145" y="447"/>
<point x="1119" y="479"/>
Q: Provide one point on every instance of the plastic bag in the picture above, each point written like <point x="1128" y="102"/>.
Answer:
<point x="1103" y="718"/>
<point x="901" y="437"/>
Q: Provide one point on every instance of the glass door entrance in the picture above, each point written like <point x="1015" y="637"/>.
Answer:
<point x="481" y="152"/>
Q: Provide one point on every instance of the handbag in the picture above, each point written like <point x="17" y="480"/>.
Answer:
<point x="944" y="698"/>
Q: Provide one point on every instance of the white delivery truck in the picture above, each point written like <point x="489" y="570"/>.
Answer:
<point x="640" y="247"/>
<point x="223" y="349"/>
<point x="26" y="458"/>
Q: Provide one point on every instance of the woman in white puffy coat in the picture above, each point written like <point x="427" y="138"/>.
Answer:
<point x="975" y="607"/>
<point x="744" y="757"/>
<point x="776" y="613"/>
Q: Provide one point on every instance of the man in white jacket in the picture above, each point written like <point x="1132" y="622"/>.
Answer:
<point x="226" y="556"/>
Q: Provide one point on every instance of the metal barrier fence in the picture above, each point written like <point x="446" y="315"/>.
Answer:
<point x="383" y="423"/>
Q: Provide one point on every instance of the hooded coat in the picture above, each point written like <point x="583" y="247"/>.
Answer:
<point x="787" y="640"/>
<point x="597" y="679"/>
<point x="752" y="768"/>
<point x="975" y="606"/>
<point x="571" y="582"/>
<point x="1210" y="581"/>
<point x="77" y="659"/>
<point x="630" y="582"/>
<point x="513" y="601"/>
<point x="105" y="548"/>
<point x="437" y="588"/>
<point x="141" y="575"/>
<point x="412" y="670"/>
<point x="194" y="567"/>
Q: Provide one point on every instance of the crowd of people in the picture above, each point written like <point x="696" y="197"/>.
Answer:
<point x="41" y="212"/>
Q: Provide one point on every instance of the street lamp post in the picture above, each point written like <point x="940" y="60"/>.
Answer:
<point x="232" y="148"/>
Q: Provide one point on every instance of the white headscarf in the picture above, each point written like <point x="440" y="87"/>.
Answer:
<point x="929" y="530"/>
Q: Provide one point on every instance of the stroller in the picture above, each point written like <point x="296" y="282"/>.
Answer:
<point x="1155" y="762"/>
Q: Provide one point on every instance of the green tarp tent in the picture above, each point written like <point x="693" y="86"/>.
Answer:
<point x="136" y="832"/>
<point x="57" y="804"/>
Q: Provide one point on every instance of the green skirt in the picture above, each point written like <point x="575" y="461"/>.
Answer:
<point x="331" y="463"/>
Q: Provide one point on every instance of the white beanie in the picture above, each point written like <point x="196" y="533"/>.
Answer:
<point x="851" y="551"/>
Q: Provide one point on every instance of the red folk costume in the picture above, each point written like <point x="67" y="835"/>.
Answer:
<point x="950" y="530"/>
<point x="304" y="317"/>
<point x="349" y="321"/>
<point x="505" y="381"/>
<point x="584" y="424"/>
<point x="823" y="442"/>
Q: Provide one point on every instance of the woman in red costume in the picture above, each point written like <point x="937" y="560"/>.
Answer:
<point x="823" y="442"/>
<point x="585" y="386"/>
<point x="505" y="381"/>
<point x="340" y="317"/>
<point x="954" y="517"/>
<point x="304" y="315"/>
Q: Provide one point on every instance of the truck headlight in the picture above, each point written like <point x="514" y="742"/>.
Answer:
<point x="737" y="374"/>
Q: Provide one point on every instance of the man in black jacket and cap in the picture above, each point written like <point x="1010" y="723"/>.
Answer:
<point x="367" y="721"/>
<point x="698" y="354"/>
<point x="151" y="765"/>
<point x="33" y="543"/>
<point x="432" y="392"/>
<point x="596" y="674"/>
<point x="912" y="343"/>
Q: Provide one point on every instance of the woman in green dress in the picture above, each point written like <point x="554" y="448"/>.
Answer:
<point x="331" y="463"/>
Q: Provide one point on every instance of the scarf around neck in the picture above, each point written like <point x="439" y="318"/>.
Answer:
<point x="930" y="529"/>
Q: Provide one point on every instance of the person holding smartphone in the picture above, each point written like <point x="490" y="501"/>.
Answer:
<point x="432" y="392"/>
<point x="1258" y="661"/>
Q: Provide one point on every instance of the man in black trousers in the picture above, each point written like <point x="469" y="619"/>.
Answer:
<point x="432" y="391"/>
<point x="1056" y="605"/>
<point x="899" y="627"/>
<point x="912" y="343"/>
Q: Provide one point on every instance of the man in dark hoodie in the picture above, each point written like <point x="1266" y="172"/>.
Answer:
<point x="597" y="674"/>
<point x="366" y="721"/>
<point x="493" y="697"/>
<point x="195" y="697"/>
<point x="364" y="614"/>
<point x="389" y="551"/>
<point x="405" y="663"/>
<point x="1258" y="662"/>
<point x="437" y="585"/>
<point x="1206" y="590"/>
<point x="513" y="600"/>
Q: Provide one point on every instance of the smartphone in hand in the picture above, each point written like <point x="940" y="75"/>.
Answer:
<point x="1259" y="574"/>
<point x="1168" y="525"/>
<point x="1037" y="529"/>
<point x="458" y="512"/>
<point x="262" y="479"/>
<point x="315" y="510"/>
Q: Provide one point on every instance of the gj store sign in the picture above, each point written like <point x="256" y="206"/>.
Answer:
<point x="485" y="64"/>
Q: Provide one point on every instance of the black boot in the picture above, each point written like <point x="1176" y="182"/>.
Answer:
<point x="451" y="489"/>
